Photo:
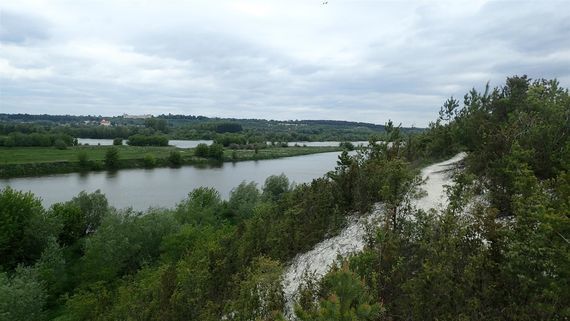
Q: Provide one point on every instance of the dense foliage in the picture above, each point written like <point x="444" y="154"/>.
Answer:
<point x="18" y="139"/>
<point x="199" y="261"/>
<point x="147" y="140"/>
<point x="499" y="251"/>
<point x="225" y="131"/>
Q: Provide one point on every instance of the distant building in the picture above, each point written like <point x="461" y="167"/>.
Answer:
<point x="105" y="123"/>
<point x="137" y="116"/>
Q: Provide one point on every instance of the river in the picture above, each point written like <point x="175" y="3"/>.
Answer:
<point x="194" y="143"/>
<point x="165" y="187"/>
<point x="173" y="142"/>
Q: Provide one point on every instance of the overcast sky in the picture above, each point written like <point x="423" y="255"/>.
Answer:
<point x="347" y="60"/>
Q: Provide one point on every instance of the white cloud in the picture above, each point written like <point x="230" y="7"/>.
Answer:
<point x="7" y="70"/>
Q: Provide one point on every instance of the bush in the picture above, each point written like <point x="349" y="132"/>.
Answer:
<point x="347" y="146"/>
<point x="83" y="159"/>
<point x="201" y="150"/>
<point x="149" y="161"/>
<point x="112" y="158"/>
<point x="23" y="230"/>
<point x="9" y="142"/>
<point x="60" y="144"/>
<point x="275" y="186"/>
<point x="216" y="151"/>
<point x="22" y="296"/>
<point x="118" y="141"/>
<point x="175" y="158"/>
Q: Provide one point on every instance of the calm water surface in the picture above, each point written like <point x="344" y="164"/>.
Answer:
<point x="164" y="187"/>
<point x="319" y="144"/>
<point x="173" y="142"/>
<point x="194" y="143"/>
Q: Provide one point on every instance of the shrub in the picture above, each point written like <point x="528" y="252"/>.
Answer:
<point x="201" y="150"/>
<point x="83" y="159"/>
<point x="118" y="141"/>
<point x="112" y="158"/>
<point x="149" y="161"/>
<point x="347" y="146"/>
<point x="60" y="144"/>
<point x="175" y="158"/>
<point x="216" y="151"/>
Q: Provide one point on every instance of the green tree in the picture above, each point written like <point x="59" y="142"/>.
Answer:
<point x="149" y="161"/>
<point x="216" y="151"/>
<point x="347" y="146"/>
<point x="72" y="222"/>
<point x="52" y="271"/>
<point x="243" y="199"/>
<point x="199" y="207"/>
<point x="22" y="296"/>
<point x="201" y="150"/>
<point x="275" y="186"/>
<point x="124" y="243"/>
<point x="118" y="141"/>
<point x="259" y="293"/>
<point x="175" y="158"/>
<point x="112" y="158"/>
<point x="83" y="159"/>
<point x="23" y="228"/>
<point x="156" y="124"/>
<point x="80" y="216"/>
<point x="347" y="300"/>
<point x="60" y="144"/>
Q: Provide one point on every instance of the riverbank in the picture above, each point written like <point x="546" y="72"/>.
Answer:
<point x="36" y="161"/>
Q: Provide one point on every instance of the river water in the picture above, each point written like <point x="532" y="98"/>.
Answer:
<point x="173" y="142"/>
<point x="317" y="262"/>
<point x="165" y="187"/>
<point x="194" y="143"/>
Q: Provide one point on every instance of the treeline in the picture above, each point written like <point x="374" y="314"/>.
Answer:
<point x="147" y="140"/>
<point x="46" y="118"/>
<point x="16" y="139"/>
<point x="198" y="127"/>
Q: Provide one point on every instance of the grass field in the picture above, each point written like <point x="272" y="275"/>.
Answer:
<point x="26" y="155"/>
<point x="23" y="155"/>
<point x="34" y="161"/>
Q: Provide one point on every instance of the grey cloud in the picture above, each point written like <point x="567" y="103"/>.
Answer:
<point x="399" y="71"/>
<point x="21" y="28"/>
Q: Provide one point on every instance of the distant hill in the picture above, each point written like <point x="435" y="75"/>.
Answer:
<point x="184" y="119"/>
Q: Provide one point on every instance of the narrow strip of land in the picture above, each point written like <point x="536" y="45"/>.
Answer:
<point x="32" y="161"/>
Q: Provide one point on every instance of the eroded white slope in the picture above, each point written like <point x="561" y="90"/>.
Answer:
<point x="319" y="260"/>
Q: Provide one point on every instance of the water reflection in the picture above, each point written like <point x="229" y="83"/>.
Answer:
<point x="164" y="187"/>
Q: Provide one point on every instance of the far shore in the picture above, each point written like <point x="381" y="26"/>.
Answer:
<point x="37" y="161"/>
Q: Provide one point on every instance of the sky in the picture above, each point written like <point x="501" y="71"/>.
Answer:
<point x="353" y="60"/>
